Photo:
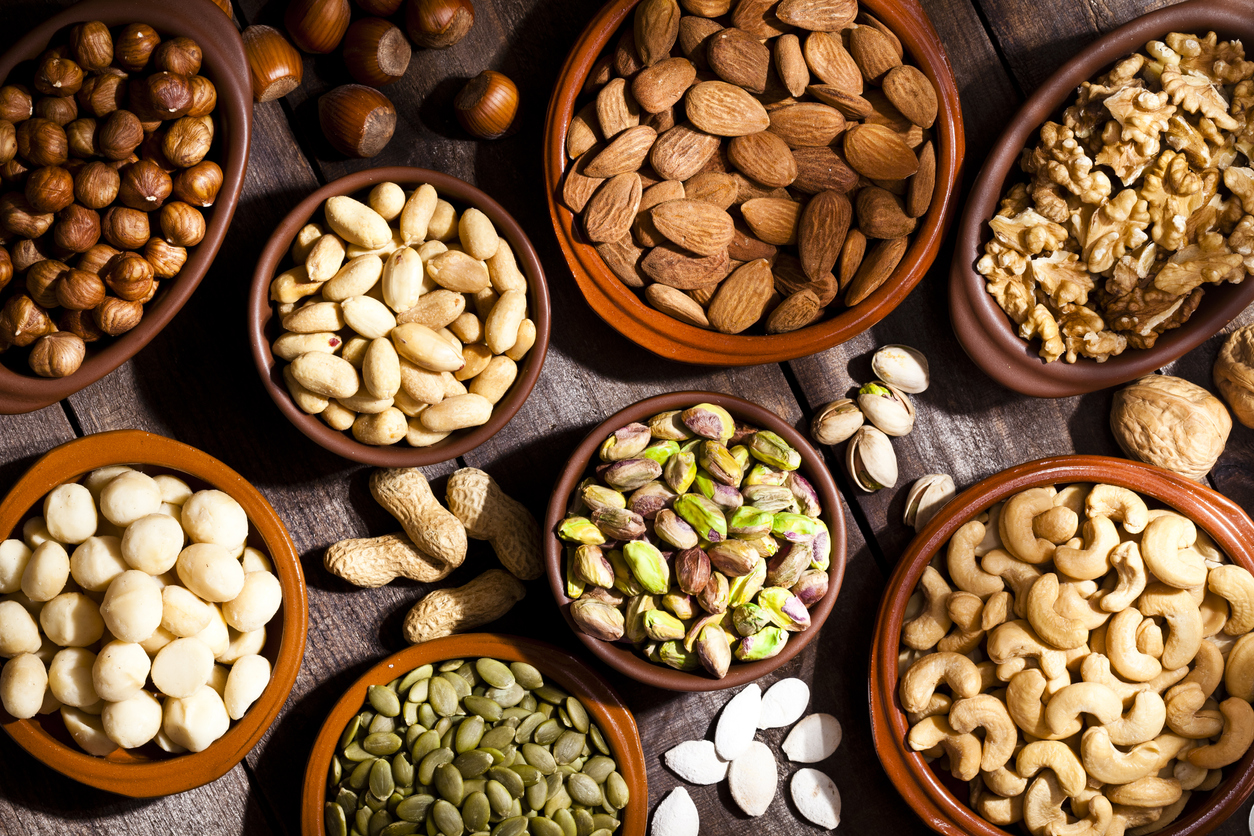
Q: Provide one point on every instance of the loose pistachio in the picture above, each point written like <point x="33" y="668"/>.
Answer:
<point x="902" y="366"/>
<point x="741" y="454"/>
<point x="672" y="528"/>
<point x="680" y="604"/>
<point x="625" y="443"/>
<point x="770" y="448"/>
<point x="760" y="474"/>
<point x="637" y="606"/>
<point x="714" y="651"/>
<point x="763" y="644"/>
<point x="749" y="522"/>
<point x="669" y="426"/>
<point x="596" y="497"/>
<point x="673" y="654"/>
<point x="692" y="570"/>
<point x="766" y="545"/>
<point x="703" y="515"/>
<point x="807" y="497"/>
<point x="927" y="496"/>
<point x="724" y="496"/>
<point x="772" y="498"/>
<point x="716" y="594"/>
<point x="660" y="625"/>
<point x="618" y="523"/>
<point x="629" y="474"/>
<point x="871" y="461"/>
<point x="709" y="421"/>
<point x="694" y="631"/>
<point x="580" y="530"/>
<point x="660" y="451"/>
<point x="750" y="618"/>
<point x="742" y="590"/>
<point x="787" y="565"/>
<point x="648" y="566"/>
<point x="887" y="407"/>
<point x="680" y="471"/>
<point x="593" y="567"/>
<point x="785" y="609"/>
<point x="836" y="422"/>
<point x="795" y="528"/>
<point x="718" y="461"/>
<point x="811" y="586"/>
<point x="624" y="581"/>
<point x="733" y="557"/>
<point x="648" y="499"/>
<point x="597" y="619"/>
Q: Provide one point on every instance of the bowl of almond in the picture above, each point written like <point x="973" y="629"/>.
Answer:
<point x="751" y="182"/>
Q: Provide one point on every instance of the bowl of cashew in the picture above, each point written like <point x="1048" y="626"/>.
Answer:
<point x="1067" y="646"/>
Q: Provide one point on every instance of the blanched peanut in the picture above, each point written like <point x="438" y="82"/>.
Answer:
<point x="525" y="340"/>
<point x="46" y="572"/>
<point x="14" y="555"/>
<point x="416" y="214"/>
<point x="477" y="234"/>
<point x="128" y="497"/>
<point x="35" y="532"/>
<point x="195" y="722"/>
<point x="96" y="562"/>
<point x="18" y="631"/>
<point x="386" y="427"/>
<point x="208" y="570"/>
<point x="419" y="436"/>
<point x="132" y="606"/>
<point x="501" y="327"/>
<point x="182" y="667"/>
<point x="364" y="402"/>
<point x="368" y="316"/>
<point x="69" y="677"/>
<point x="356" y="223"/>
<point x="388" y="199"/>
<point x="242" y="644"/>
<point x="431" y="248"/>
<point x="70" y="513"/>
<point x="311" y="403"/>
<point x="393" y="244"/>
<point x="292" y="286"/>
<point x="314" y="318"/>
<point x="72" y="620"/>
<point x="407" y="405"/>
<point x="182" y="613"/>
<point x="503" y="268"/>
<point x="443" y="224"/>
<point x="338" y="417"/>
<point x="213" y="516"/>
<point x="325" y="258"/>
<point x="493" y="382"/>
<point x="88" y="731"/>
<point x="173" y="489"/>
<point x="256" y="603"/>
<point x="458" y="272"/>
<point x="467" y="327"/>
<point x="132" y="722"/>
<point x="354" y="351"/>
<point x="120" y="670"/>
<point x="355" y="278"/>
<point x="484" y="300"/>
<point x="249" y="677"/>
<point x="255" y="560"/>
<point x="325" y="374"/>
<point x="23" y="683"/>
<point x="452" y="386"/>
<point x="402" y="279"/>
<point x="457" y="413"/>
<point x="291" y="345"/>
<point x="381" y="369"/>
<point x="435" y="309"/>
<point x="304" y="241"/>
<point x="152" y="543"/>
<point x="477" y="356"/>
<point x="426" y="348"/>
<point x="420" y="384"/>
<point x="95" y="481"/>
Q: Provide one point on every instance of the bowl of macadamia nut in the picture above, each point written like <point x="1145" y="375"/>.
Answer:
<point x="124" y="132"/>
<point x="1069" y="645"/>
<point x="152" y="614"/>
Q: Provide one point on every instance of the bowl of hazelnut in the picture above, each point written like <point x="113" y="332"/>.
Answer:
<point x="124" y="131"/>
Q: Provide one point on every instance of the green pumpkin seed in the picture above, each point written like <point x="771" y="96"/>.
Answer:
<point x="598" y="740"/>
<point x="382" y="743"/>
<point x="536" y="795"/>
<point x="546" y="709"/>
<point x="600" y="821"/>
<point x="359" y="778"/>
<point x="409" y="713"/>
<point x="499" y="798"/>
<point x="528" y="701"/>
<point x="335" y="773"/>
<point x="514" y="826"/>
<point x="378" y="821"/>
<point x="426" y="715"/>
<point x="448" y="783"/>
<point x="476" y="811"/>
<point x="616" y="793"/>
<point x="350" y="731"/>
<point x="414" y="808"/>
<point x="599" y="768"/>
<point x="474" y="763"/>
<point x="539" y="757"/>
<point x="347" y="799"/>
<point x="486" y="708"/>
<point x="469" y="733"/>
<point x="508" y="778"/>
<point x="578" y="714"/>
<point x="448" y="820"/>
<point x="419" y="690"/>
<point x="336" y="822"/>
<point x="529" y="774"/>
<point x="361" y="821"/>
<point x="583" y="790"/>
<point x="400" y="828"/>
<point x="557" y="801"/>
<point x="443" y="698"/>
<point x="515" y="713"/>
<point x="354" y="752"/>
<point x="460" y="686"/>
<point x="500" y="737"/>
<point x="494" y="673"/>
<point x="541" y="826"/>
<point x="467" y="672"/>
<point x="381" y="781"/>
<point x="583" y="822"/>
<point x="446" y="735"/>
<point x="375" y="804"/>
<point x="384" y="700"/>
<point x="551" y="694"/>
<point x="526" y="729"/>
<point x="566" y="821"/>
<point x="426" y="743"/>
<point x="403" y="770"/>
<point x="547" y="732"/>
<point x="426" y="769"/>
<point x="410" y="679"/>
<point x="507" y="697"/>
<point x="381" y="724"/>
<point x="568" y="747"/>
<point x="450" y="665"/>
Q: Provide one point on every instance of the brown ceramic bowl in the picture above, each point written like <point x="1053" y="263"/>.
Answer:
<point x="627" y="312"/>
<point x="225" y="66"/>
<point x="622" y="656"/>
<point x="264" y="328"/>
<point x="148" y="771"/>
<point x="983" y="328"/>
<point x="605" y="706"/>
<point x="940" y="802"/>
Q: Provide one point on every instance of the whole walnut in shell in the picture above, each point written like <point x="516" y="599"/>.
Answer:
<point x="1234" y="373"/>
<point x="1170" y="422"/>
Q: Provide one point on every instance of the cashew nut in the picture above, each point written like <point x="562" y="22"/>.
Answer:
<point x="1072" y="496"/>
<point x="964" y="610"/>
<point x="1189" y="776"/>
<point x="1149" y="639"/>
<point x="1144" y="721"/>
<point x="1015" y="525"/>
<point x="1005" y="782"/>
<point x="1128" y="565"/>
<point x="1166" y="815"/>
<point x="1086" y="610"/>
<point x="966" y="574"/>
<point x="1093" y="561"/>
<point x="1163" y="546"/>
<point x="1119" y="504"/>
<point x="1184" y="621"/>
<point x="1042" y="804"/>
<point x="1107" y="764"/>
<point x="992" y="530"/>
<point x="1236" y="738"/>
<point x="1208" y="670"/>
<point x="998" y="809"/>
<point x="987" y="712"/>
<point x="1059" y="631"/>
<point x="1057" y="525"/>
<point x="1024" y="704"/>
<point x="929" y="626"/>
<point x="1062" y="713"/>
<point x="938" y="704"/>
<point x="1127" y="661"/>
<point x="997" y="610"/>
<point x="1185" y="715"/>
<point x="1145" y="792"/>
<point x="1235" y="585"/>
<point x="1096" y="821"/>
<point x="920" y="681"/>
<point x="1215" y="614"/>
<point x="1129" y="820"/>
<point x="1055" y="755"/>
<point x="1019" y="576"/>
<point x="1096" y="668"/>
<point x="1016" y="639"/>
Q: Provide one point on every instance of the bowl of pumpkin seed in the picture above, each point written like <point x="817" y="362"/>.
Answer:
<point x="477" y="733"/>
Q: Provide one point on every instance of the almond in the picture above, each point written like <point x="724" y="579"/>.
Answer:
<point x="757" y="17"/>
<point x="764" y="157"/>
<point x="873" y="53"/>
<point x="700" y="227"/>
<point x="617" y="109"/>
<point x="807" y="125"/>
<point x="851" y="256"/>
<point x="625" y="153"/>
<point x="818" y="15"/>
<point x="790" y="65"/>
<point x="874" y="151"/>
<point x="851" y="106"/>
<point x="744" y="247"/>
<point x="681" y="152"/>
<point x="661" y="121"/>
<point x="884" y="112"/>
<point x="738" y="59"/>
<point x="658" y="87"/>
<point x="865" y="19"/>
<point x="703" y="295"/>
<point x="880" y="214"/>
<point x="747" y="189"/>
<point x="831" y="62"/>
<point x="656" y="28"/>
<point x="583" y="131"/>
<point x="676" y="304"/>
<point x="723" y="109"/>
<point x="578" y="188"/>
<point x="643" y="230"/>
<point x="912" y="93"/>
<point x="923" y="183"/>
<point x="623" y="258"/>
<point x="772" y="219"/>
<point x="821" y="232"/>
<point x="877" y="265"/>
<point x="707" y="8"/>
<point x="741" y="298"/>
<point x="610" y="211"/>
<point x="821" y="170"/>
<point x="671" y="266"/>
<point x="796" y="311"/>
<point x="694" y="32"/>
<point x="790" y="278"/>
<point x="626" y="58"/>
<point x="600" y="74"/>
<point x="713" y="187"/>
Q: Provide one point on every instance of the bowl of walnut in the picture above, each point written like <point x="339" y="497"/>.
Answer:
<point x="1066" y="647"/>
<point x="1112" y="226"/>
<point x="751" y="182"/>
<point x="124" y="133"/>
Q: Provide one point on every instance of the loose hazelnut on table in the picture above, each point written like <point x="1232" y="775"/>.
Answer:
<point x="274" y="64"/>
<point x="317" y="25"/>
<point x="376" y="52"/>
<point x="357" y="120"/>
<point x="488" y="105"/>
<point x="119" y="135"/>
<point x="134" y="45"/>
<point x="91" y="46"/>
<point x="96" y="185"/>
<point x="436" y="24"/>
<point x="77" y="228"/>
<point x="125" y="228"/>
<point x="199" y="184"/>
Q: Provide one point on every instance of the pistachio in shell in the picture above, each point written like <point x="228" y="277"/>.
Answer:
<point x="927" y="496"/>
<point x="733" y="557"/>
<point x="742" y="590"/>
<point x="598" y="497"/>
<point x="703" y="515"/>
<point x="669" y="426"/>
<point x="648" y="499"/>
<point x="661" y="626"/>
<point x="903" y="367"/>
<point x="618" y="523"/>
<point x="870" y="459"/>
<point x="716" y="594"/>
<point x="887" y="407"/>
<point x="692" y="570"/>
<point x="625" y="442"/>
<point x="724" y="496"/>
<point x="785" y="609"/>
<point x="593" y="567"/>
<point x="680" y="471"/>
<point x="836" y="422"/>
<point x="598" y="619"/>
<point x="580" y="530"/>
<point x="718" y="461"/>
<point x="811" y="586"/>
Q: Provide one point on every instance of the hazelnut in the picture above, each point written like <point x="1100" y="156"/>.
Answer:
<point x="97" y="185"/>
<point x="182" y="224"/>
<point x="77" y="228"/>
<point x="436" y="24"/>
<point x="96" y="257"/>
<point x="57" y="75"/>
<point x="41" y="281"/>
<point x="129" y="275"/>
<point x="124" y="227"/>
<point x="14" y="172"/>
<point x="199" y="184"/>
<point x="204" y="96"/>
<point x="49" y="189"/>
<point x="317" y="25"/>
<point x="57" y="355"/>
<point x="134" y="45"/>
<point x="117" y="316"/>
<point x="59" y="109"/>
<point x="145" y="186"/>
<point x="80" y="323"/>
<point x="22" y="321"/>
<point x="15" y="103"/>
<point x="379" y="8"/>
<point x="177" y="55"/>
<point x="152" y="291"/>
<point x="150" y="150"/>
<point x="357" y="120"/>
<point x="8" y="141"/>
<point x="29" y="251"/>
<point x="119" y="135"/>
<point x="79" y="290"/>
<point x="102" y="94"/>
<point x="91" y="46"/>
<point x="376" y="52"/>
<point x="187" y="141"/>
<point x="20" y="218"/>
<point x="81" y="137"/>
<point x="166" y="259"/>
<point x="274" y="64"/>
<point x="42" y="142"/>
<point x="488" y="105"/>
<point x="6" y="268"/>
<point x="169" y="94"/>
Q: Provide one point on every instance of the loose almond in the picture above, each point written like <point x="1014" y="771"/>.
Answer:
<point x="912" y="93"/>
<point x="873" y="53"/>
<point x="682" y="151"/>
<point x="790" y="64"/>
<point x="877" y="265"/>
<point x="831" y="62"/>
<point x="609" y="213"/>
<point x="723" y="109"/>
<point x="757" y="17"/>
<point x="623" y="258"/>
<point x="923" y="183"/>
<point x="851" y="257"/>
<point x="866" y="19"/>
<point x="578" y="188"/>
<point x="700" y="227"/>
<point x="713" y="187"/>
<point x="582" y="133"/>
<point x="765" y="157"/>
<point x="795" y="312"/>
<point x="625" y="153"/>
<point x="822" y="169"/>
<point x="818" y="15"/>
<point x="656" y="28"/>
<point x="693" y="34"/>
<point x="741" y="298"/>
<point x="807" y="125"/>
<point x="880" y="214"/>
<point x="658" y="87"/>
<point x="677" y="304"/>
<point x="745" y="247"/>
<point x="739" y="59"/>
<point x="821" y="232"/>
<point x="774" y="220"/>
<point x="850" y="105"/>
<point x="617" y="109"/>
<point x="876" y="152"/>
<point x="676" y="268"/>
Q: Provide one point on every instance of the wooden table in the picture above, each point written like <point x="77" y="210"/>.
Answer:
<point x="196" y="383"/>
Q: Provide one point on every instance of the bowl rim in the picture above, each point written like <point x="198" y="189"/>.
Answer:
<point x="621" y="657"/>
<point x="576" y="676"/>
<point x="1222" y="518"/>
<point x="178" y="773"/>
<point x="225" y="64"/>
<point x="261" y="312"/>
<point x="623" y="310"/>
<point x="983" y="329"/>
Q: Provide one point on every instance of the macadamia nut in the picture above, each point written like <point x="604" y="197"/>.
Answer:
<point x="131" y="723"/>
<point x="255" y="560"/>
<point x="210" y="571"/>
<point x="217" y="679"/>
<point x="72" y="620"/>
<point x="88" y="731"/>
<point x="159" y="639"/>
<point x="18" y="631"/>
<point x="249" y="677"/>
<point x="23" y="683"/>
<point x="195" y="722"/>
<point x="242" y="644"/>
<point x="152" y="543"/>
<point x="127" y="498"/>
<point x="214" y="517"/>
<point x="35" y="532"/>
<point x="181" y="667"/>
<point x="69" y="677"/>
<point x="132" y="606"/>
<point x="46" y="572"/>
<point x="96" y="562"/>
<point x="13" y="557"/>
<point x="173" y="489"/>
<point x="120" y="671"/>
<point x="256" y="604"/>
<point x="217" y="634"/>
<point x="70" y="513"/>
<point x="182" y="613"/>
<point x="167" y="745"/>
<point x="96" y="480"/>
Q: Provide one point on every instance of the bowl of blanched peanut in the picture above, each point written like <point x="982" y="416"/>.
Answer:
<point x="152" y="614"/>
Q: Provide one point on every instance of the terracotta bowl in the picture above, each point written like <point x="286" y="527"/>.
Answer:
<point x="606" y="707"/>
<point x="983" y="328"/>
<point x="621" y="656"/>
<point x="148" y="771"/>
<point x="264" y="328"/>
<point x="627" y="312"/>
<point x="940" y="801"/>
<point x="225" y="66"/>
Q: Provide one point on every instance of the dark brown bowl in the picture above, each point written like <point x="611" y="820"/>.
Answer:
<point x="628" y="314"/>
<point x="148" y="771"/>
<point x="985" y="331"/>
<point x="605" y="706"/>
<point x="263" y="326"/>
<point x="922" y="788"/>
<point x="226" y="67"/>
<point x="622" y="657"/>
